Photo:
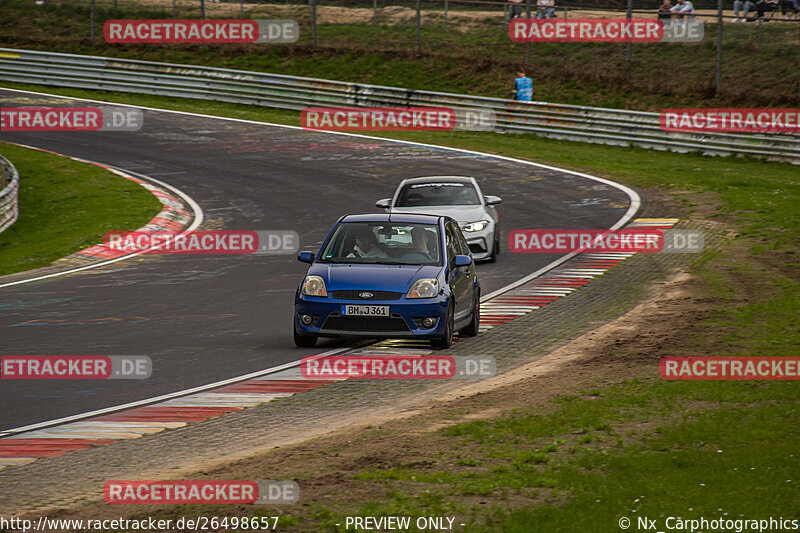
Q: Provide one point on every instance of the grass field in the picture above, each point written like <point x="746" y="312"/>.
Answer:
<point x="474" y="56"/>
<point x="642" y="447"/>
<point x="66" y="206"/>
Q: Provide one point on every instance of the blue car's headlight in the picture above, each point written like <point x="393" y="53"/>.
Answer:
<point x="314" y="286"/>
<point x="475" y="226"/>
<point x="424" y="288"/>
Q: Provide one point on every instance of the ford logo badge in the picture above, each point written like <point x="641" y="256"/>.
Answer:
<point x="365" y="295"/>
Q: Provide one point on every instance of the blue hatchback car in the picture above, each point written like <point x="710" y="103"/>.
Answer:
<point x="389" y="276"/>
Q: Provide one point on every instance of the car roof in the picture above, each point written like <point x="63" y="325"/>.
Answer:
<point x="405" y="218"/>
<point x="439" y="179"/>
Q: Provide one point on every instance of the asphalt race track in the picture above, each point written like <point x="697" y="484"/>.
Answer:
<point x="204" y="318"/>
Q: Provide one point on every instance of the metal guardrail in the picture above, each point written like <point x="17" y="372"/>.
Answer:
<point x="9" y="194"/>
<point x="557" y="121"/>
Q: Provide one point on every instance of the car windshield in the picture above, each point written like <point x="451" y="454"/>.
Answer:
<point x="386" y="243"/>
<point x="437" y="193"/>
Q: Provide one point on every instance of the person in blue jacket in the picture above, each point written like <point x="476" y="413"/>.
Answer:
<point x="523" y="87"/>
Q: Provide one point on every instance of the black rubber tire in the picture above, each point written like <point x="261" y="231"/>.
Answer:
<point x="304" y="341"/>
<point x="475" y="323"/>
<point x="447" y="340"/>
<point x="495" y="251"/>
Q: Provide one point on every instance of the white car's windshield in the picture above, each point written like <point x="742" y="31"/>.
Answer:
<point x="384" y="243"/>
<point x="437" y="193"/>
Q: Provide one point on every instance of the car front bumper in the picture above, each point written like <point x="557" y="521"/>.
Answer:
<point x="404" y="320"/>
<point x="481" y="243"/>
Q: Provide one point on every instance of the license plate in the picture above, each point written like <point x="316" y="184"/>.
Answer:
<point x="365" y="310"/>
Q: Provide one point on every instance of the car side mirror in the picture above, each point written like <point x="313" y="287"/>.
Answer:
<point x="385" y="203"/>
<point x="492" y="200"/>
<point x="463" y="261"/>
<point x="306" y="257"/>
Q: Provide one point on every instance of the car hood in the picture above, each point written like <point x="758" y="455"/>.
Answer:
<point x="463" y="214"/>
<point x="341" y="277"/>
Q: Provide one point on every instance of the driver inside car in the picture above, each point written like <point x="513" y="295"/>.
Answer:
<point x="367" y="246"/>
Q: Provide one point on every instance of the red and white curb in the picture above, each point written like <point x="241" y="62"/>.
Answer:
<point x="178" y="412"/>
<point x="173" y="218"/>
<point x="132" y="423"/>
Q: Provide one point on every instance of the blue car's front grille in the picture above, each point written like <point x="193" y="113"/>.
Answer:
<point x="365" y="323"/>
<point x="357" y="295"/>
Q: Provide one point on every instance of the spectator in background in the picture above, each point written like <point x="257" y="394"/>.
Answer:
<point x="663" y="12"/>
<point x="514" y="10"/>
<point x="743" y="7"/>
<point x="523" y="87"/>
<point x="682" y="9"/>
<point x="546" y="9"/>
<point x="762" y="6"/>
<point x="790" y="5"/>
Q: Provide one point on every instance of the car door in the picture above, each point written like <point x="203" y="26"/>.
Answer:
<point x="471" y="272"/>
<point x="458" y="278"/>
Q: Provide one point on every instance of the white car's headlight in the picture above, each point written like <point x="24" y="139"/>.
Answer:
<point x="424" y="288"/>
<point x="475" y="226"/>
<point x="314" y="286"/>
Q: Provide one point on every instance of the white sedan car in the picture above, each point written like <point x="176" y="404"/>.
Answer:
<point x="458" y="197"/>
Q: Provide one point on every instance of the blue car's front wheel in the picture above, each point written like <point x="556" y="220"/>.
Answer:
<point x="304" y="341"/>
<point x="475" y="323"/>
<point x="446" y="340"/>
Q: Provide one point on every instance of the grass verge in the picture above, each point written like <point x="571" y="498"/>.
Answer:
<point x="592" y="453"/>
<point x="66" y="206"/>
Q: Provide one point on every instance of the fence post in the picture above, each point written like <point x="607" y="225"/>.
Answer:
<point x="445" y="15"/>
<point x="375" y="12"/>
<point x="174" y="8"/>
<point x="527" y="43"/>
<point x="91" y="31"/>
<point x="202" y="9"/>
<point x="419" y="21"/>
<point x="718" y="75"/>
<point x="313" y="6"/>
<point x="115" y="4"/>
<point x="798" y="57"/>
<point x="628" y="46"/>
<point x="241" y="8"/>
